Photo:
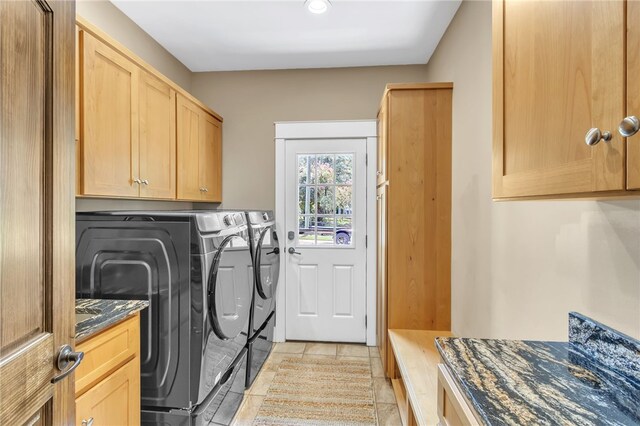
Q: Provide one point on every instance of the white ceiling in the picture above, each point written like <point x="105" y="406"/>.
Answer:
<point x="219" y="35"/>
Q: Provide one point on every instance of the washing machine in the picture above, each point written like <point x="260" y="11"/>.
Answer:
<point x="195" y="269"/>
<point x="265" y="254"/>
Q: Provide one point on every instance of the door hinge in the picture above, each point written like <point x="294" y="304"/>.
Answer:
<point x="366" y="241"/>
<point x="366" y="159"/>
<point x="365" y="321"/>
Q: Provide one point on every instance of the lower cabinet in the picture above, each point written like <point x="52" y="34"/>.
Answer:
<point x="453" y="409"/>
<point x="108" y="380"/>
<point x="113" y="401"/>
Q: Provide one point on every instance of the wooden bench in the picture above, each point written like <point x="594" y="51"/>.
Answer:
<point x="414" y="367"/>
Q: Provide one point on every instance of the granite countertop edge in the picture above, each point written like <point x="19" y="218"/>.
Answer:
<point x="573" y="356"/>
<point x="106" y="312"/>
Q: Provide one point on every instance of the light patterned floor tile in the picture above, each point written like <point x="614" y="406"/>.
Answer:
<point x="289" y="347"/>
<point x="388" y="415"/>
<point x="374" y="352"/>
<point x="376" y="367"/>
<point x="262" y="383"/>
<point x="248" y="410"/>
<point x="321" y="349"/>
<point x="383" y="391"/>
<point x="353" y="350"/>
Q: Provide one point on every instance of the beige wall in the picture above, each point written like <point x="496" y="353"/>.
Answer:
<point x="108" y="18"/>
<point x="251" y="101"/>
<point x="520" y="267"/>
<point x="104" y="15"/>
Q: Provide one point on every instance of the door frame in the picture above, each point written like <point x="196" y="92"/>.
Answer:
<point x="288" y="132"/>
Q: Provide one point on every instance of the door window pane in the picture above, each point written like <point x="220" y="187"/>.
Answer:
<point x="306" y="199"/>
<point x="325" y="199"/>
<point x="324" y="169"/>
<point x="343" y="199"/>
<point x="307" y="230"/>
<point x="344" y="168"/>
<point x="343" y="230"/>
<point x="306" y="167"/>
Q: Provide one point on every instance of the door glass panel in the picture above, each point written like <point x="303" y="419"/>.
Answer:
<point x="344" y="168"/>
<point x="343" y="200"/>
<point x="325" y="199"/>
<point x="307" y="200"/>
<point x="307" y="230"/>
<point x="343" y="230"/>
<point x="325" y="237"/>
<point x="324" y="169"/>
<point x="306" y="168"/>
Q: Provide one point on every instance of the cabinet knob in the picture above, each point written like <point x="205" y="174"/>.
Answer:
<point x="629" y="126"/>
<point x="145" y="182"/>
<point x="138" y="181"/>
<point x="378" y="173"/>
<point x="205" y="190"/>
<point x="594" y="136"/>
<point x="88" y="422"/>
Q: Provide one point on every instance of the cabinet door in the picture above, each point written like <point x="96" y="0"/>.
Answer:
<point x="109" y="140"/>
<point x="157" y="138"/>
<point x="382" y="142"/>
<point x="211" y="158"/>
<point x="633" y="92"/>
<point x="382" y="274"/>
<point x="113" y="401"/>
<point x="189" y="130"/>
<point x="558" y="71"/>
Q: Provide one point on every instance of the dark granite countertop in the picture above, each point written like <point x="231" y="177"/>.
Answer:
<point x="99" y="314"/>
<point x="593" y="379"/>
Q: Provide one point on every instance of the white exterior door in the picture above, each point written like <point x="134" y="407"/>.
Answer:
<point x="325" y="239"/>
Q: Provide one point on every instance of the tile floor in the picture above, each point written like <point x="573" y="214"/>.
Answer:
<point x="384" y="397"/>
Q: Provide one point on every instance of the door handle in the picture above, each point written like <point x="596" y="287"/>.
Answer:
<point x="66" y="356"/>
<point x="87" y="422"/>
<point x="276" y="251"/>
<point x="293" y="251"/>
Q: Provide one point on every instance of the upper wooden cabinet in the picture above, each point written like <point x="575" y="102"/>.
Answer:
<point x="128" y="125"/>
<point x="559" y="71"/>
<point x="109" y="125"/>
<point x="157" y="141"/>
<point x="633" y="92"/>
<point x="199" y="153"/>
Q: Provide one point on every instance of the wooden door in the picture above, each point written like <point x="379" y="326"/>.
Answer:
<point x="383" y="151"/>
<point x="211" y="158"/>
<point x="36" y="209"/>
<point x="633" y="92"/>
<point x="114" y="400"/>
<point x="381" y="275"/>
<point x="109" y="139"/>
<point x="189" y="130"/>
<point x="157" y="138"/>
<point x="558" y="71"/>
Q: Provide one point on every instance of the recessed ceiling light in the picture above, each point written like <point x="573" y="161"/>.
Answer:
<point x="318" y="6"/>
